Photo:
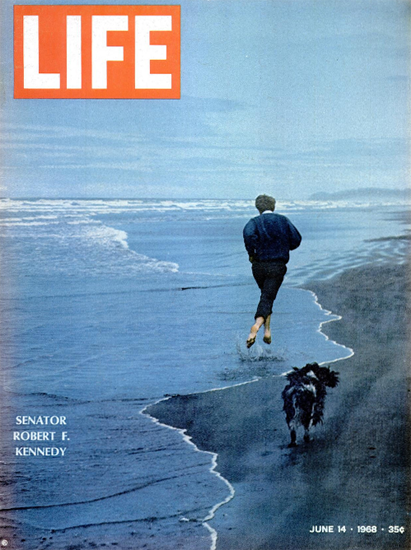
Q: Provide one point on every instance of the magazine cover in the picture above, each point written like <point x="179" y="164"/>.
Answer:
<point x="204" y="239"/>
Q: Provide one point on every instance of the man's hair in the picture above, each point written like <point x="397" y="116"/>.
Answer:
<point x="264" y="202"/>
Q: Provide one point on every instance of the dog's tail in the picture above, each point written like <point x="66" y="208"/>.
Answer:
<point x="333" y="378"/>
<point x="326" y="376"/>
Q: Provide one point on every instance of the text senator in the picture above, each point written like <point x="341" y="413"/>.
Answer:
<point x="42" y="420"/>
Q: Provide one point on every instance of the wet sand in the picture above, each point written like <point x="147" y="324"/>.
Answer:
<point x="355" y="471"/>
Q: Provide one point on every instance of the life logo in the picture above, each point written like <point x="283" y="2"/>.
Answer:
<point x="97" y="52"/>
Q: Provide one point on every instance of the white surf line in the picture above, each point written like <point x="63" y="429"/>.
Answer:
<point x="337" y="318"/>
<point x="212" y="469"/>
<point x="188" y="439"/>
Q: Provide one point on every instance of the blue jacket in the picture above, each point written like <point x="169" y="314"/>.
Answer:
<point x="270" y="237"/>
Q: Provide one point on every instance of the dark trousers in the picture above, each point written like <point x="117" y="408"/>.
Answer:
<point x="269" y="276"/>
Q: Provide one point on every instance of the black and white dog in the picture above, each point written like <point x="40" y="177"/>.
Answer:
<point x="304" y="397"/>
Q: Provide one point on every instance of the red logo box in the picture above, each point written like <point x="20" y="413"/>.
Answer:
<point x="97" y="52"/>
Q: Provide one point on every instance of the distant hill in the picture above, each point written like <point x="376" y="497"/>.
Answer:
<point x="368" y="193"/>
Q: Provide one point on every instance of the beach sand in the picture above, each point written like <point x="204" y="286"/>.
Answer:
<point x="355" y="471"/>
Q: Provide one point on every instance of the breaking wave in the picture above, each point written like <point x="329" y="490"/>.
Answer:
<point x="93" y="207"/>
<point x="81" y="246"/>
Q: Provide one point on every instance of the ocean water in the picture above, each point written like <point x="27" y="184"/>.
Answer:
<point x="107" y="307"/>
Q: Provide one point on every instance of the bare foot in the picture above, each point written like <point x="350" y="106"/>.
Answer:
<point x="251" y="338"/>
<point x="253" y="332"/>
<point x="267" y="338"/>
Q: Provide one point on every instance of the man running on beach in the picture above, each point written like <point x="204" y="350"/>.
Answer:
<point x="268" y="239"/>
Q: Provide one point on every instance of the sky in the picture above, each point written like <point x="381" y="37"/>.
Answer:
<point x="286" y="97"/>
